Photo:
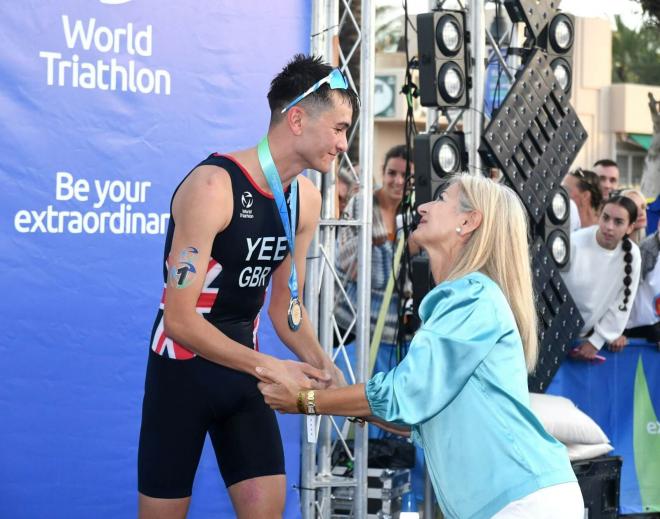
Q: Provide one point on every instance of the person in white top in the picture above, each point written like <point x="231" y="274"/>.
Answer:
<point x="644" y="321"/>
<point x="638" y="234"/>
<point x="576" y="223"/>
<point x="603" y="275"/>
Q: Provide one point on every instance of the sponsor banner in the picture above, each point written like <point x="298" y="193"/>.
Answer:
<point x="106" y="105"/>
<point x="622" y="395"/>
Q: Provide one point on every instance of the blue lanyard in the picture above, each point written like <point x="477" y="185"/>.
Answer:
<point x="275" y="183"/>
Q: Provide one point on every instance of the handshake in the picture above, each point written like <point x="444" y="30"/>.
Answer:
<point x="280" y="383"/>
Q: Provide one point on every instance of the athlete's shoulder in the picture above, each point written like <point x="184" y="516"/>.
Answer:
<point x="206" y="194"/>
<point x="209" y="180"/>
<point x="309" y="194"/>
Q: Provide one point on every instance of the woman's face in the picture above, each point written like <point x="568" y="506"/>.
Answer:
<point x="440" y="220"/>
<point x="613" y="225"/>
<point x="570" y="184"/>
<point x="394" y="179"/>
<point x="640" y="223"/>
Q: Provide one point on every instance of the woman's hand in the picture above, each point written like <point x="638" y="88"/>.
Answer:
<point x="280" y="391"/>
<point x="618" y="344"/>
<point x="585" y="351"/>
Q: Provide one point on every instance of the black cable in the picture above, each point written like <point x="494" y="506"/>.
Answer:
<point x="496" y="92"/>
<point x="410" y="91"/>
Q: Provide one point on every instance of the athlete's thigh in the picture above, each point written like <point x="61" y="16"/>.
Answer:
<point x="259" y="498"/>
<point x="175" y="419"/>
<point x="248" y="447"/>
<point x="157" y="508"/>
<point x="247" y="441"/>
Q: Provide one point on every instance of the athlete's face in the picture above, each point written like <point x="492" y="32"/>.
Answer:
<point x="325" y="134"/>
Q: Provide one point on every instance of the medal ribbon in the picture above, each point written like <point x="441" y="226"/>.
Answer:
<point x="275" y="184"/>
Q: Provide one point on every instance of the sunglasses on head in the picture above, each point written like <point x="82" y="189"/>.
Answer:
<point x="336" y="80"/>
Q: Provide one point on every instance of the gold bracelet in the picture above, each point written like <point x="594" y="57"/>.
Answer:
<point x="300" y="404"/>
<point x="311" y="402"/>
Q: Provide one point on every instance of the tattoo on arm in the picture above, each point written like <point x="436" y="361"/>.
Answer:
<point x="183" y="273"/>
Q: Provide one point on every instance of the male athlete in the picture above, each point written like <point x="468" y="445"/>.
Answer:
<point x="235" y="219"/>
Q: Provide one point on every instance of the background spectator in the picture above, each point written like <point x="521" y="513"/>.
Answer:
<point x="644" y="321"/>
<point x="347" y="186"/>
<point x="639" y="232"/>
<point x="583" y="186"/>
<point x="600" y="255"/>
<point x="608" y="171"/>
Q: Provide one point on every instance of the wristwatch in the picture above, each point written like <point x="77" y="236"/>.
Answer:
<point x="311" y="402"/>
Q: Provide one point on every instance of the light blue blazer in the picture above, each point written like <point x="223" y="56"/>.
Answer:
<point x="463" y="389"/>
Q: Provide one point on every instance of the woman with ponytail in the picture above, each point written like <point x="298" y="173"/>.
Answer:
<point x="603" y="275"/>
<point x="583" y="187"/>
<point x="462" y="387"/>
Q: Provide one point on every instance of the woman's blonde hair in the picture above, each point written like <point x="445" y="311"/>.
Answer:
<point x="638" y="234"/>
<point x="499" y="248"/>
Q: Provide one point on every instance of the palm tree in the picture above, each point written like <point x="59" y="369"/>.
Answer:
<point x="635" y="54"/>
<point x="652" y="9"/>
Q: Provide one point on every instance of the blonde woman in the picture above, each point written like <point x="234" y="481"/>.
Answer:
<point x="462" y="388"/>
<point x="639" y="227"/>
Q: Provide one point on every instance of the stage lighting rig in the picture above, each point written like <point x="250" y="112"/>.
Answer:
<point x="555" y="228"/>
<point x="535" y="14"/>
<point x="557" y="40"/>
<point x="437" y="156"/>
<point x="559" y="320"/>
<point x="534" y="136"/>
<point x="444" y="65"/>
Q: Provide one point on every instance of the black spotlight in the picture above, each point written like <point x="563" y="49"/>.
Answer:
<point x="557" y="40"/>
<point x="534" y="13"/>
<point x="555" y="228"/>
<point x="437" y="156"/>
<point x="443" y="59"/>
<point x="534" y="136"/>
<point x="559" y="320"/>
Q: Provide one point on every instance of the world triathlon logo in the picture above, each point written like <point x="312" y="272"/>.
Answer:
<point x="247" y="200"/>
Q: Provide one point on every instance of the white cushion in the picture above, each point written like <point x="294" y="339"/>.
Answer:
<point x="581" y="451"/>
<point x="566" y="422"/>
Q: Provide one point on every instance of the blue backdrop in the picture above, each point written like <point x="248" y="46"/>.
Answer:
<point x="105" y="105"/>
<point x="622" y="395"/>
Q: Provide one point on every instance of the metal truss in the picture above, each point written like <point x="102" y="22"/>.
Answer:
<point x="321" y="434"/>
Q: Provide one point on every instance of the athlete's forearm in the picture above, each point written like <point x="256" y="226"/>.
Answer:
<point x="303" y="342"/>
<point x="201" y="337"/>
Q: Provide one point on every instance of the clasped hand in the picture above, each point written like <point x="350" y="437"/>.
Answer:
<point x="280" y="389"/>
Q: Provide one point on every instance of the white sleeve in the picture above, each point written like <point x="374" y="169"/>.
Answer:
<point x="611" y="325"/>
<point x="576" y="223"/>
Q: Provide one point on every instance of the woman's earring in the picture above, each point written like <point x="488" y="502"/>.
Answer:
<point x="458" y="230"/>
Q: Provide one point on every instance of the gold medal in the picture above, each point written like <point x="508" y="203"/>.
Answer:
<point x="295" y="314"/>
